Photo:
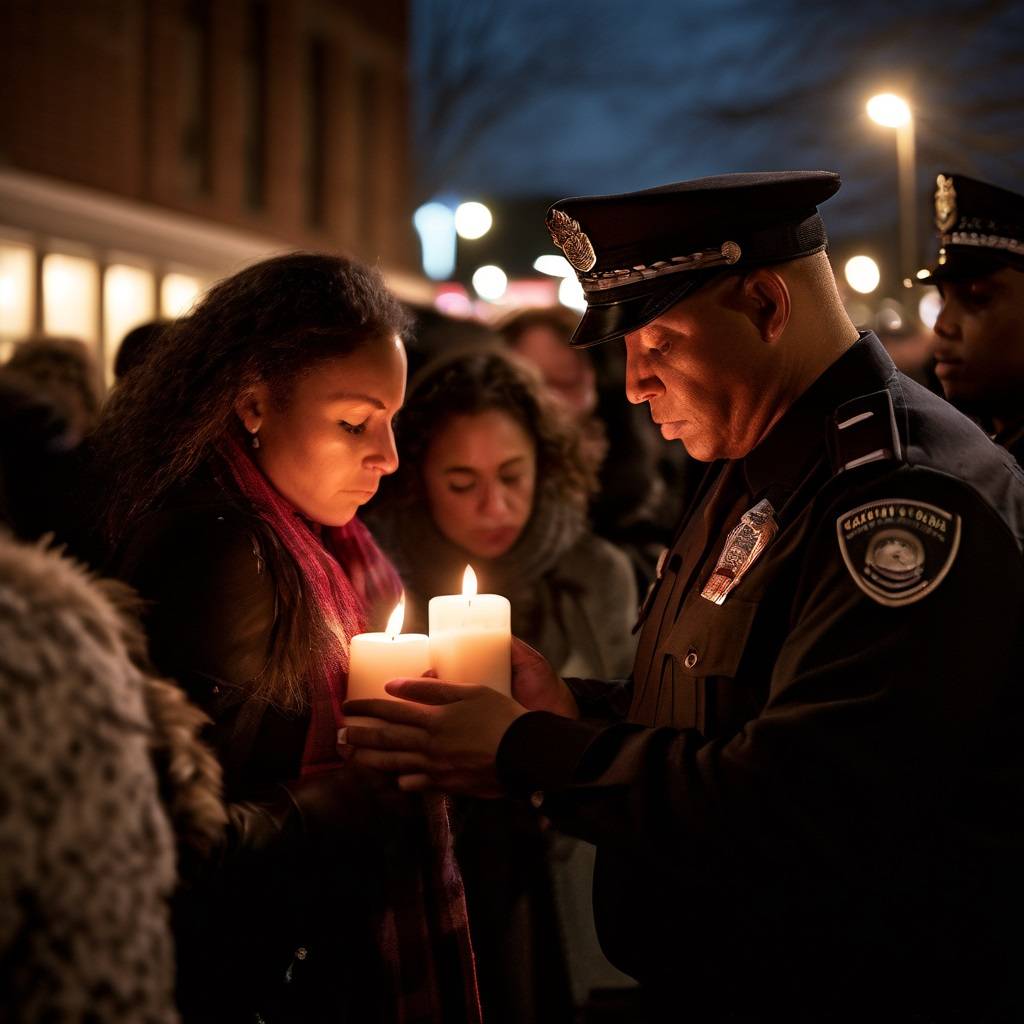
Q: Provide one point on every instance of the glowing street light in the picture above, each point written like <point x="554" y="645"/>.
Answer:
<point x="862" y="274"/>
<point x="490" y="282"/>
<point x="892" y="111"/>
<point x="889" y="110"/>
<point x="472" y="220"/>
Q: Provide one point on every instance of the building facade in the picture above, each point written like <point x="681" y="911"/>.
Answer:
<point x="148" y="147"/>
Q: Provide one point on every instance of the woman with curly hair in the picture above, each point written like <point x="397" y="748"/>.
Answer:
<point x="491" y="474"/>
<point x="234" y="460"/>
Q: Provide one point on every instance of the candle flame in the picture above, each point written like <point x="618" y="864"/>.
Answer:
<point x="394" y="626"/>
<point x="469" y="582"/>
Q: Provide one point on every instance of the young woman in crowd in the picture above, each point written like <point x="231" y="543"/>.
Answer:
<point x="235" y="459"/>
<point x="492" y="475"/>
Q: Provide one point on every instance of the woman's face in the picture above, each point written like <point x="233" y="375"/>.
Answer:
<point x="479" y="472"/>
<point x="327" y="445"/>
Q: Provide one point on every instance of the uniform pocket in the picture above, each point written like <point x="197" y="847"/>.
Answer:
<point x="709" y="640"/>
<point x="690" y="683"/>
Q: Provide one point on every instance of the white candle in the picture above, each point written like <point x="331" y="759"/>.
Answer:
<point x="471" y="637"/>
<point x="375" y="658"/>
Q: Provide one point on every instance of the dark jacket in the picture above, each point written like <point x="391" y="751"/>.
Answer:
<point x="813" y="801"/>
<point x="279" y="921"/>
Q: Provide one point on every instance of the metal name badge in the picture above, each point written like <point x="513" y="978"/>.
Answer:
<point x="742" y="548"/>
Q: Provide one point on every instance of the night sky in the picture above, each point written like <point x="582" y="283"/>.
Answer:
<point x="539" y="99"/>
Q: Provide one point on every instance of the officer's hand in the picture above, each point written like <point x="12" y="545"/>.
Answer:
<point x="438" y="736"/>
<point x="536" y="685"/>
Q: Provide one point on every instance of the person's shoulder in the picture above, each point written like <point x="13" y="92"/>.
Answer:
<point x="216" y="542"/>
<point x="595" y="559"/>
<point x="48" y="598"/>
<point x="949" y="453"/>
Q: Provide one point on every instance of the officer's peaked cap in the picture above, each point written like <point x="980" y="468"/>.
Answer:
<point x="980" y="228"/>
<point x="639" y="253"/>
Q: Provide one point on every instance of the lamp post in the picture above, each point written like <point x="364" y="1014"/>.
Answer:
<point x="893" y="111"/>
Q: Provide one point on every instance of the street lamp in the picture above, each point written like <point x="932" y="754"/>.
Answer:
<point x="892" y="111"/>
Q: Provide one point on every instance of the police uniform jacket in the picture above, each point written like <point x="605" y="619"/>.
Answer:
<point x="807" y="799"/>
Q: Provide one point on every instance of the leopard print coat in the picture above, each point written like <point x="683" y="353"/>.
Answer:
<point x="87" y="849"/>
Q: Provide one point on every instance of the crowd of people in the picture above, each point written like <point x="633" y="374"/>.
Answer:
<point x="792" y="779"/>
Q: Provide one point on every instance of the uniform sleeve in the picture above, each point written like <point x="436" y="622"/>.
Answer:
<point x="880" y="719"/>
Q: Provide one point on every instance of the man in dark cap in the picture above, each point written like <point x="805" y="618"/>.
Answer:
<point x="808" y="800"/>
<point x="979" y="335"/>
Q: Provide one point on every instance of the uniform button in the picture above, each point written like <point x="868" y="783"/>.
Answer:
<point x="537" y="799"/>
<point x="691" y="659"/>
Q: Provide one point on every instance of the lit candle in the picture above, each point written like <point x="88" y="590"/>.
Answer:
<point x="471" y="637"/>
<point x="374" y="658"/>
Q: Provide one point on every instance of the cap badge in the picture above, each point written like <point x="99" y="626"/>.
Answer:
<point x="945" y="203"/>
<point x="570" y="238"/>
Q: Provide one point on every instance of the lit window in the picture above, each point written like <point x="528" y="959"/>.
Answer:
<point x="17" y="290"/>
<point x="178" y="293"/>
<point x="71" y="286"/>
<point x="128" y="301"/>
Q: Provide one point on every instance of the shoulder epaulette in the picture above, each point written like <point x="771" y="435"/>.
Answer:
<point x="864" y="430"/>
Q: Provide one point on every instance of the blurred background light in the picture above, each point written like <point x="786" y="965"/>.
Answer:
<point x="129" y="299"/>
<point x="452" y="300"/>
<point x="435" y="224"/>
<point x="553" y="266"/>
<point x="472" y="220"/>
<point x="929" y="307"/>
<point x="570" y="293"/>
<point x="862" y="274"/>
<point x="71" y="299"/>
<point x="17" y="290"/>
<point x="889" y="110"/>
<point x="178" y="293"/>
<point x="890" y="316"/>
<point x="490" y="282"/>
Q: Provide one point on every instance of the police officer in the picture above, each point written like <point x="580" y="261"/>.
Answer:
<point x="808" y="800"/>
<point x="978" y="343"/>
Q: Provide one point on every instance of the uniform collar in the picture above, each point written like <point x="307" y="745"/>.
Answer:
<point x="799" y="438"/>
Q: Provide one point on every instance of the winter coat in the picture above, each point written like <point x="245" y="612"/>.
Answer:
<point x="277" y="923"/>
<point x="88" y="858"/>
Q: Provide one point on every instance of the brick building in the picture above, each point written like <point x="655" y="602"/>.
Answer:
<point x="148" y="147"/>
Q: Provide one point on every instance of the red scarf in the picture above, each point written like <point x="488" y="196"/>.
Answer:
<point x="423" y="935"/>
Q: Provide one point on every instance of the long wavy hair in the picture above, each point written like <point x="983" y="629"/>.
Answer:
<point x="467" y="382"/>
<point x="270" y="323"/>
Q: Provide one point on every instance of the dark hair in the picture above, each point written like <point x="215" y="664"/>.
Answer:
<point x="269" y="323"/>
<point x="64" y="370"/>
<point x="474" y="381"/>
<point x="559" y="319"/>
<point x="136" y="344"/>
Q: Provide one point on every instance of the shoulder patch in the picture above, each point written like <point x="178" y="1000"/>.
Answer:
<point x="897" y="550"/>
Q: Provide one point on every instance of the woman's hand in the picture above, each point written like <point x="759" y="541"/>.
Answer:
<point x="536" y="685"/>
<point x="438" y="736"/>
